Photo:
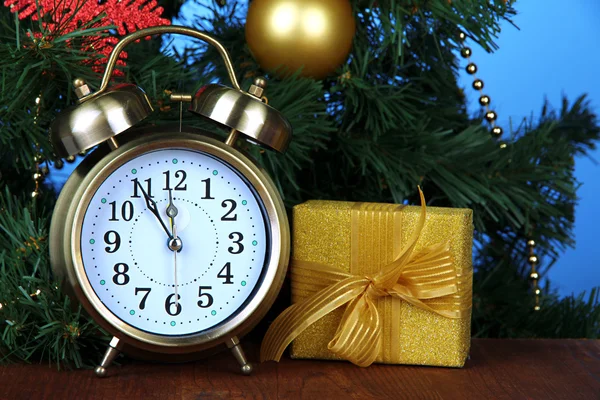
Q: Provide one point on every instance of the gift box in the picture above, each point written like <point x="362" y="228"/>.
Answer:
<point x="381" y="283"/>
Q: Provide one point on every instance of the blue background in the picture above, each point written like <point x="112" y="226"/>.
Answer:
<point x="554" y="53"/>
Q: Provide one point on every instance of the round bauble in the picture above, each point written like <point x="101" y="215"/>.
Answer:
<point x="286" y="35"/>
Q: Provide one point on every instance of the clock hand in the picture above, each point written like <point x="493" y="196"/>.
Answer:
<point x="175" y="245"/>
<point x="175" y="278"/>
<point x="172" y="211"/>
<point x="151" y="205"/>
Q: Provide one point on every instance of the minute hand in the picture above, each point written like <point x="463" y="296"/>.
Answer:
<point x="151" y="204"/>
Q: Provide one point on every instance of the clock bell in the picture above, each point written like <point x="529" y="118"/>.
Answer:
<point x="102" y="115"/>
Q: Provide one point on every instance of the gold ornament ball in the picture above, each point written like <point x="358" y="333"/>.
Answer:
<point x="484" y="100"/>
<point x="477" y="84"/>
<point x="533" y="259"/>
<point x="471" y="68"/>
<point x="531" y="243"/>
<point x="465" y="52"/>
<point x="497" y="131"/>
<point x="286" y="35"/>
<point x="491" y="116"/>
<point x="534" y="276"/>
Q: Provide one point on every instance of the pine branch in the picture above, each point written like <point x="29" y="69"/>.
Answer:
<point x="38" y="321"/>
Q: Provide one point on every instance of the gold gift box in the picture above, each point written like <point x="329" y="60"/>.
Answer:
<point x="323" y="233"/>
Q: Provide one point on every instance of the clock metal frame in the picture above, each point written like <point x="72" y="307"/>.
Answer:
<point x="65" y="241"/>
<point x="103" y="115"/>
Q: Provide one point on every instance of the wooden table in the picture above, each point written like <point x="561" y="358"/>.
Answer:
<point x="498" y="369"/>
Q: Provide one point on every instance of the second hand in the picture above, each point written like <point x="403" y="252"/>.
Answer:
<point x="175" y="244"/>
<point x="175" y="267"/>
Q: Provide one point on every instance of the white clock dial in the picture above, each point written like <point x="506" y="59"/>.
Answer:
<point x="219" y="219"/>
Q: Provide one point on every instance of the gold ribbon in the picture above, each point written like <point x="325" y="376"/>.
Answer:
<point x="426" y="279"/>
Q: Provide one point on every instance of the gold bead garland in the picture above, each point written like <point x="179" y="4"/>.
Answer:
<point x="39" y="171"/>
<point x="496" y="131"/>
<point x="37" y="175"/>
<point x="41" y="166"/>
<point x="533" y="275"/>
<point x="484" y="99"/>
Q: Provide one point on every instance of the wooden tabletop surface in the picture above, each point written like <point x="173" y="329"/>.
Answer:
<point x="497" y="369"/>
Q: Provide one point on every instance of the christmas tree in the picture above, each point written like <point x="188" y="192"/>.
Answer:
<point x="389" y="118"/>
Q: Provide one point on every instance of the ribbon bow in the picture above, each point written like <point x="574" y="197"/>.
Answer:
<point x="412" y="277"/>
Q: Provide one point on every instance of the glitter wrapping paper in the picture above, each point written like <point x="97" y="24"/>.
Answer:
<point x="322" y="233"/>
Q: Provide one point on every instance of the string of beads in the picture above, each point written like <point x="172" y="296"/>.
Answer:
<point x="496" y="131"/>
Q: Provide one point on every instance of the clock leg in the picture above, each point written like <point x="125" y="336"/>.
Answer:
<point x="114" y="348"/>
<point x="236" y="349"/>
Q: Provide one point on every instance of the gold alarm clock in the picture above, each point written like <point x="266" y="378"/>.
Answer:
<point x="173" y="241"/>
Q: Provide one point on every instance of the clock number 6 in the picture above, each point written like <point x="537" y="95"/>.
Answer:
<point x="169" y="303"/>
<point x="238" y="241"/>
<point x="209" y="298"/>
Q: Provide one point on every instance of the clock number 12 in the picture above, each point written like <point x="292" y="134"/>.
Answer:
<point x="179" y="174"/>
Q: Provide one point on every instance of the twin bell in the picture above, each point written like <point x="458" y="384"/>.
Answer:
<point x="102" y="115"/>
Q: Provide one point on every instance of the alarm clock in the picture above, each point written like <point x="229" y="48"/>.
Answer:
<point x="174" y="241"/>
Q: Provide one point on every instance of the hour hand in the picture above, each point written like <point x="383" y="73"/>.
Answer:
<point x="151" y="205"/>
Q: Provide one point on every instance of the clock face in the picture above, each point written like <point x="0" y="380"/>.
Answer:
<point x="174" y="242"/>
